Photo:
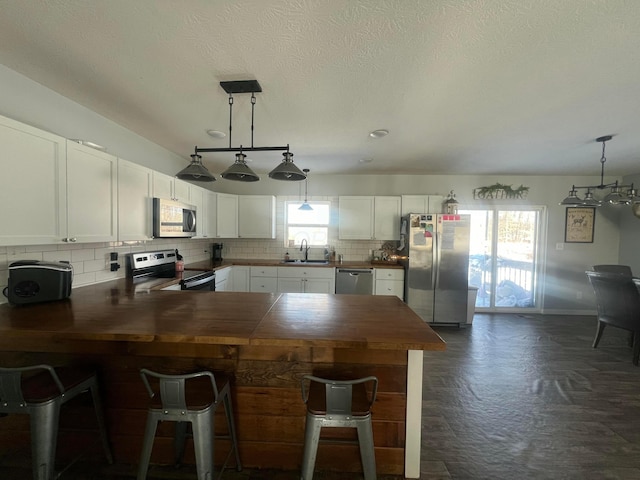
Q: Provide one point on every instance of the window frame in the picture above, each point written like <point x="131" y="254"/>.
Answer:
<point x="313" y="203"/>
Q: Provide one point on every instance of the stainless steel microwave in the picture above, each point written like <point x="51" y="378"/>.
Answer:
<point x="173" y="219"/>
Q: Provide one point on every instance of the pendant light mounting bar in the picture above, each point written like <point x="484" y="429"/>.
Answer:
<point x="240" y="171"/>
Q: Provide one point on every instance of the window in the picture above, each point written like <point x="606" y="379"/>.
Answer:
<point x="312" y="225"/>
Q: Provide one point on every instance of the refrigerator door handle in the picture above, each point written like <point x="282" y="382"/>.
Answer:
<point x="436" y="260"/>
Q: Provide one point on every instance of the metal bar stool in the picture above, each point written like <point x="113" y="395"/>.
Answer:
<point x="189" y="399"/>
<point x="338" y="403"/>
<point x="40" y="391"/>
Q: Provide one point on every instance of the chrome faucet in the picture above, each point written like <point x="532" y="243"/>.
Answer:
<point x="306" y="251"/>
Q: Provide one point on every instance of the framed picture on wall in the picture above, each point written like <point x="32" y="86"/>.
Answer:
<point x="579" y="224"/>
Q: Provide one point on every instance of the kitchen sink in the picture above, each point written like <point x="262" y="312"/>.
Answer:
<point x="306" y="262"/>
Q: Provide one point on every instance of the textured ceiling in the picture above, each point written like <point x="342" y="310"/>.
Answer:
<point x="467" y="87"/>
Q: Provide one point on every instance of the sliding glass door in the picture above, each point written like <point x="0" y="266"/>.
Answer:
<point x="503" y="257"/>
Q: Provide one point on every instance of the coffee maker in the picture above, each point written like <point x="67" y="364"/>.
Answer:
<point x="216" y="252"/>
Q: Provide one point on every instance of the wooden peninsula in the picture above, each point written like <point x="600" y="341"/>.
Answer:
<point x="266" y="341"/>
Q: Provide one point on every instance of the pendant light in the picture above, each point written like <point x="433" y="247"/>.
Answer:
<point x="196" y="171"/>
<point x="616" y="196"/>
<point x="287" y="170"/>
<point x="240" y="171"/>
<point x="305" y="206"/>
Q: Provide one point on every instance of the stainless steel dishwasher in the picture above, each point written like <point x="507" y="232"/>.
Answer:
<point x="358" y="281"/>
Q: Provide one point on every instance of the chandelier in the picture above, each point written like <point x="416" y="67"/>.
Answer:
<point x="239" y="170"/>
<point x="619" y="194"/>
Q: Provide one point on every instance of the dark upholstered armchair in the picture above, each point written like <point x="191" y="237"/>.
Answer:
<point x="618" y="302"/>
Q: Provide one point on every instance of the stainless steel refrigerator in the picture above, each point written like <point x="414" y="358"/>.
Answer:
<point x="434" y="249"/>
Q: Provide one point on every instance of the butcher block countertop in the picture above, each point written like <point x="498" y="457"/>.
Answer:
<point x="256" y="262"/>
<point x="120" y="310"/>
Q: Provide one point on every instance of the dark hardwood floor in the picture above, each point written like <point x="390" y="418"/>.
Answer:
<point x="513" y="397"/>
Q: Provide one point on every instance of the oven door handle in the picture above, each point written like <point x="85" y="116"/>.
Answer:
<point x="187" y="284"/>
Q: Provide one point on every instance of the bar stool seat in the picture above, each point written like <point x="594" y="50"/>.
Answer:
<point x="189" y="399"/>
<point x="39" y="391"/>
<point x="338" y="403"/>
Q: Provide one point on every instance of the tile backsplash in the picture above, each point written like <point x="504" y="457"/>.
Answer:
<point x="91" y="261"/>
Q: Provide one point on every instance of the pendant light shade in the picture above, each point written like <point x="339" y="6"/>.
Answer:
<point x="287" y="170"/>
<point x="240" y="171"/>
<point x="572" y="200"/>
<point x="196" y="171"/>
<point x="305" y="206"/>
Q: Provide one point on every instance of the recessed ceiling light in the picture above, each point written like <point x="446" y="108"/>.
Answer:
<point x="216" y="134"/>
<point x="379" y="133"/>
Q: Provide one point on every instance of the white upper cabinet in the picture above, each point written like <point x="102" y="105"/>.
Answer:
<point x="162" y="185"/>
<point x="226" y="215"/>
<point x="257" y="216"/>
<point x="386" y="218"/>
<point x="355" y="218"/>
<point x="197" y="198"/>
<point x="181" y="190"/>
<point x="91" y="194"/>
<point x="421" y="204"/>
<point x="369" y="218"/>
<point x="134" y="201"/>
<point x="32" y="185"/>
<point x="166" y="186"/>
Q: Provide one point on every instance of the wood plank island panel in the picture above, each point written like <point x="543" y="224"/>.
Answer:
<point x="267" y="342"/>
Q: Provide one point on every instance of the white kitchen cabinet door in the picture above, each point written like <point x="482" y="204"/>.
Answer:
<point x="291" y="285"/>
<point x="264" y="284"/>
<point x="162" y="186"/>
<point x="240" y="278"/>
<point x="389" y="281"/>
<point x="91" y="194"/>
<point x="355" y="218"/>
<point x="223" y="283"/>
<point x="257" y="216"/>
<point x="197" y="199"/>
<point x="181" y="190"/>
<point x="34" y="207"/>
<point x="306" y="280"/>
<point x="421" y="204"/>
<point x="387" y="218"/>
<point x="226" y="215"/>
<point x="135" y="207"/>
<point x="320" y="285"/>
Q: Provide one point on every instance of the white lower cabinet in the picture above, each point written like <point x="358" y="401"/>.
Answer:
<point x="223" y="283"/>
<point x="240" y="277"/>
<point x="389" y="281"/>
<point x="306" y="280"/>
<point x="264" y="279"/>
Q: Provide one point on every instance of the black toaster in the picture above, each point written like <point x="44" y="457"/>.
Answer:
<point x="35" y="281"/>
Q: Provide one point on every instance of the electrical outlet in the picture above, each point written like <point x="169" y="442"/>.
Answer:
<point x="559" y="246"/>
<point x="579" y="295"/>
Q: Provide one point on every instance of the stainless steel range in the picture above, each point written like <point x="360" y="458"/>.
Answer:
<point x="162" y="264"/>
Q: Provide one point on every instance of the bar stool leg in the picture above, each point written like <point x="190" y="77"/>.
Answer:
<point x="147" y="445"/>
<point x="367" y="453"/>
<point x="97" y="405"/>
<point x="179" y="441"/>
<point x="44" y="432"/>
<point x="311" y="439"/>
<point x="203" y="445"/>
<point x="228" y="410"/>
